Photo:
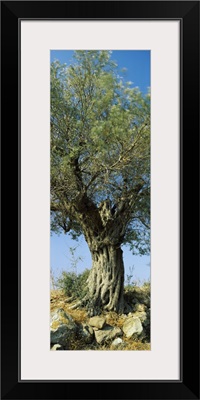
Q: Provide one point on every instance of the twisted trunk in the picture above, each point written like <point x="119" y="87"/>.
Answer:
<point x="106" y="280"/>
<point x="104" y="233"/>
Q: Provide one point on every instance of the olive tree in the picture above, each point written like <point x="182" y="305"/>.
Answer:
<point x="100" y="168"/>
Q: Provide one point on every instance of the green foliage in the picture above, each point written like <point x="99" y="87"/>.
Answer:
<point x="100" y="146"/>
<point x="72" y="284"/>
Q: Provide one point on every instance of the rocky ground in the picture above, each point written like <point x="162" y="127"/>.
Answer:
<point x="74" y="330"/>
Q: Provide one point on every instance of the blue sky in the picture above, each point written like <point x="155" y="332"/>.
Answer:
<point x="137" y="64"/>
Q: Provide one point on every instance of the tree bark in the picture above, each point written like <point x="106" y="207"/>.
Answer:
<point x="104" y="231"/>
<point x="106" y="281"/>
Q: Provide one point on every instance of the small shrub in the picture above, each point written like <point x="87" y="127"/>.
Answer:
<point x="74" y="285"/>
<point x="67" y="282"/>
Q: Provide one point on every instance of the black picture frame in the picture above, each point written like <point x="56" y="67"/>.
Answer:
<point x="188" y="386"/>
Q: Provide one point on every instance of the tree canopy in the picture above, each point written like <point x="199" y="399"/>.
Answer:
<point x="100" y="152"/>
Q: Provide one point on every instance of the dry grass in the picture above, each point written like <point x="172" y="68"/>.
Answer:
<point x="114" y="319"/>
<point x="137" y="346"/>
<point x="58" y="300"/>
<point x="133" y="345"/>
<point x="79" y="316"/>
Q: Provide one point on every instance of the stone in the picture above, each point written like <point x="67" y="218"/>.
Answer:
<point x="97" y="322"/>
<point x="142" y="315"/>
<point x="132" y="327"/>
<point x="56" y="347"/>
<point x="62" y="327"/>
<point x="107" y="334"/>
<point x="86" y="333"/>
<point x="139" y="307"/>
<point x="117" y="342"/>
<point x="60" y="316"/>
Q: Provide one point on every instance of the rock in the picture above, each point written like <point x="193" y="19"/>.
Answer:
<point x="87" y="333"/>
<point x="141" y="315"/>
<point x="107" y="334"/>
<point x="60" y="316"/>
<point x="97" y="322"/>
<point x="139" y="307"/>
<point x="144" y="317"/>
<point x="117" y="342"/>
<point x="132" y="327"/>
<point x="62" y="327"/>
<point x="61" y="335"/>
<point x="56" y="347"/>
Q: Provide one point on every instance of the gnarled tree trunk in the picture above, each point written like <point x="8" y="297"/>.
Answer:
<point x="104" y="232"/>
<point x="106" y="280"/>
